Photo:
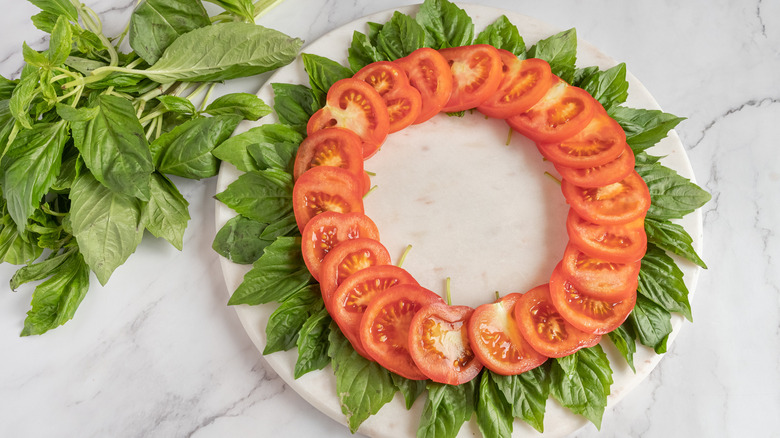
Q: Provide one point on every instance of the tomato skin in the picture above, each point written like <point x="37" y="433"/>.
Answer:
<point x="613" y="204"/>
<point x="402" y="100"/>
<point x="623" y="243"/>
<point x="439" y="344"/>
<point x="600" y="141"/>
<point x="476" y="75"/>
<point x="591" y="315"/>
<point x="348" y="303"/>
<point x="561" y="113"/>
<point x="599" y="278"/>
<point x="326" y="230"/>
<point x="430" y="74"/>
<point x="496" y="341"/>
<point x="335" y="147"/>
<point x="384" y="328"/>
<point x="523" y="84"/>
<point x="324" y="188"/>
<point x="354" y="105"/>
<point x="545" y="329"/>
<point x="605" y="174"/>
<point x="345" y="259"/>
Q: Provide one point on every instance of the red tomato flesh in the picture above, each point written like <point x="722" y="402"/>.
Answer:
<point x="623" y="243"/>
<point x="476" y="75"/>
<point x="402" y="100"/>
<point x="430" y="74"/>
<point x="335" y="147"/>
<point x="326" y="230"/>
<point x="347" y="258"/>
<point x="605" y="174"/>
<point x="322" y="189"/>
<point x="599" y="278"/>
<point x="599" y="142"/>
<point x="522" y="85"/>
<point x="617" y="203"/>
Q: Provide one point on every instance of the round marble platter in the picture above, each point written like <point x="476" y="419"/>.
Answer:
<point x="474" y="202"/>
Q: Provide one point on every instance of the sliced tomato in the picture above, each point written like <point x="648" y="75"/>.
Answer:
<point x="603" y="175"/>
<point x="347" y="258"/>
<point x="402" y="100"/>
<point x="439" y="344"/>
<point x="599" y="278"/>
<point x="624" y="243"/>
<point x="429" y="73"/>
<point x="561" y="113"/>
<point x="616" y="203"/>
<point x="523" y="84"/>
<point x="599" y="142"/>
<point x="354" y="105"/>
<point x="335" y="147"/>
<point x="328" y="229"/>
<point x="591" y="315"/>
<point x="384" y="328"/>
<point x="476" y="75"/>
<point x="323" y="188"/>
<point x="540" y="323"/>
<point x="496" y="340"/>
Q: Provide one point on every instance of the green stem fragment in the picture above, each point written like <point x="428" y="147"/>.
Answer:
<point x="509" y="136"/>
<point x="369" y="191"/>
<point x="448" y="291"/>
<point x="403" y="256"/>
<point x="553" y="177"/>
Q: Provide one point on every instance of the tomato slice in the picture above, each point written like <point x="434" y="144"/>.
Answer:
<point x="599" y="278"/>
<point x="354" y="105"/>
<point x="591" y="315"/>
<point x="624" y="243"/>
<point x="430" y="74"/>
<point x="323" y="188"/>
<point x="496" y="340"/>
<point x="326" y="230"/>
<point x="384" y="328"/>
<point x="523" y="84"/>
<point x="335" y="147"/>
<point x="561" y="113"/>
<point x="599" y="142"/>
<point x="439" y="344"/>
<point x="616" y="203"/>
<point x="347" y="258"/>
<point x="540" y="323"/>
<point x="351" y="298"/>
<point x="476" y="75"/>
<point x="402" y="100"/>
<point x="603" y="175"/>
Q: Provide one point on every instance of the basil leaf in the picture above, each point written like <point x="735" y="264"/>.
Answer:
<point x="362" y="386"/>
<point x="177" y="104"/>
<point x="527" y="393"/>
<point x="286" y="321"/>
<point x="294" y="105"/>
<point x="234" y="50"/>
<point x="30" y="166"/>
<point x="114" y="147"/>
<point x="248" y="106"/>
<point x="260" y="148"/>
<point x="409" y="389"/>
<point x="400" y="36"/>
<point x="243" y="9"/>
<point x="502" y="34"/>
<point x="40" y="270"/>
<point x="313" y="344"/>
<point x="58" y="7"/>
<point x="560" y="50"/>
<point x="275" y="276"/>
<point x="6" y="89"/>
<point x="643" y="158"/>
<point x="16" y="248"/>
<point x="625" y="342"/>
<point x="323" y="73"/>
<point x="60" y="43"/>
<point x="70" y="114"/>
<point x="661" y="281"/>
<point x="652" y="323"/>
<point x="446" y="409"/>
<point x="609" y="87"/>
<point x="44" y="21"/>
<point x="24" y="93"/>
<point x="362" y="52"/>
<point x="262" y="195"/>
<point x="581" y="382"/>
<point x="166" y="212"/>
<point x="672" y="237"/>
<point x="240" y="241"/>
<point x="155" y="24"/>
<point x="644" y="128"/>
<point x="583" y="74"/>
<point x="285" y="226"/>
<point x="107" y="225"/>
<point x="494" y="413"/>
<point x="54" y="302"/>
<point x="34" y="58"/>
<point x="672" y="195"/>
<point x="445" y="24"/>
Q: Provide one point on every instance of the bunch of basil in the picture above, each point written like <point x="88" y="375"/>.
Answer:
<point x="89" y="135"/>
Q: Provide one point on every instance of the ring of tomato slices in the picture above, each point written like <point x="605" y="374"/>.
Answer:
<point x="402" y="100"/>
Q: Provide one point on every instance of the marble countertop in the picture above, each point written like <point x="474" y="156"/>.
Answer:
<point x="156" y="352"/>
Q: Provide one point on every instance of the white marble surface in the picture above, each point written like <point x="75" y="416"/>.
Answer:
<point x="158" y="353"/>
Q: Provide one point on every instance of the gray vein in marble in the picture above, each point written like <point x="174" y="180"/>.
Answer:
<point x="761" y="18"/>
<point x="752" y="103"/>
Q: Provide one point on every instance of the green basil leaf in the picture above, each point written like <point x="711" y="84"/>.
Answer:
<point x="625" y="342"/>
<point x="107" y="225"/>
<point x="234" y="50"/>
<point x="262" y="195"/>
<point x="400" y="36"/>
<point x="58" y="7"/>
<point x="409" y="389"/>
<point x="643" y="158"/>
<point x="83" y="114"/>
<point x="45" y="21"/>
<point x="294" y="105"/>
<point x="323" y="73"/>
<point x="502" y="34"/>
<point x="6" y="89"/>
<point x="446" y="409"/>
<point x="248" y="106"/>
<point x="55" y="301"/>
<point x="661" y="280"/>
<point x="581" y="382"/>
<point x="186" y="150"/>
<point x="609" y="87"/>
<point x="583" y="74"/>
<point x="60" y="43"/>
<point x="651" y="323"/>
<point x="30" y="166"/>
<point x="362" y="386"/>
<point x="644" y="128"/>
<point x="24" y="93"/>
<point x="269" y="155"/>
<point x="445" y="24"/>
<point x="560" y="50"/>
<point x="240" y="241"/>
<point x="84" y="66"/>
<point x="275" y="276"/>
<point x="16" y="248"/>
<point x="672" y="237"/>
<point x="285" y="323"/>
<point x="285" y="226"/>
<point x="527" y="393"/>
<point x="313" y="344"/>
<point x="243" y="9"/>
<point x="262" y="147"/>
<point x="114" y="147"/>
<point x="7" y="123"/>
<point x="35" y="58"/>
<point x="672" y="195"/>
<point x="177" y="104"/>
<point x="494" y="413"/>
<point x="362" y="52"/>
<point x="166" y="212"/>
<point x="40" y="270"/>
<point x="156" y="24"/>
